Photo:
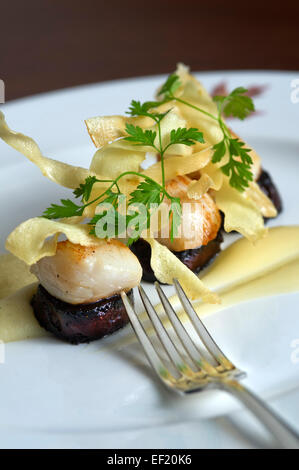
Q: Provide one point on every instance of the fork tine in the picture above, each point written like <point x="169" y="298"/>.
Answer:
<point x="163" y="335"/>
<point x="183" y="335"/>
<point x="203" y="333"/>
<point x="153" y="357"/>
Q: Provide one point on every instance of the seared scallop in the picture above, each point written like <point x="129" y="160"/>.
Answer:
<point x="83" y="274"/>
<point x="196" y="246"/>
<point x="200" y="221"/>
<point x="78" y="298"/>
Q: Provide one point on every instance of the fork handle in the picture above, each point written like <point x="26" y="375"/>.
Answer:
<point x="283" y="432"/>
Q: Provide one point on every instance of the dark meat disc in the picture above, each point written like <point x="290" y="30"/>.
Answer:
<point x="79" y="323"/>
<point x="266" y="184"/>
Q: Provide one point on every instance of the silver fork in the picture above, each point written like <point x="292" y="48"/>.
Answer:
<point x="215" y="372"/>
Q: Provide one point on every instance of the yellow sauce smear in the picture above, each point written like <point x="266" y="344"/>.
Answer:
<point x="241" y="272"/>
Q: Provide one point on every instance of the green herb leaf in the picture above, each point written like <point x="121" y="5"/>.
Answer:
<point x="140" y="137"/>
<point x="85" y="188"/>
<point x="147" y="192"/>
<point x="239" y="174"/>
<point x="237" y="147"/>
<point x="236" y="104"/>
<point x="220" y="150"/>
<point x="67" y="209"/>
<point x="186" y="136"/>
<point x="137" y="108"/>
<point x="219" y="98"/>
<point x="175" y="214"/>
<point x="170" y="86"/>
<point x="139" y="227"/>
<point x="143" y="109"/>
<point x="238" y="171"/>
<point x="111" y="198"/>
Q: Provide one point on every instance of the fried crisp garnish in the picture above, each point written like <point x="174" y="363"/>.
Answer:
<point x="61" y="173"/>
<point x="176" y="165"/>
<point x="215" y="174"/>
<point x="240" y="213"/>
<point x="167" y="267"/>
<point x="261" y="201"/>
<point x="192" y="91"/>
<point x="116" y="158"/>
<point x="198" y="188"/>
<point x="105" y="129"/>
<point x="172" y="121"/>
<point x="37" y="237"/>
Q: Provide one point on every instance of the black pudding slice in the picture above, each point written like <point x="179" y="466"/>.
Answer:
<point x="266" y="184"/>
<point x="80" y="323"/>
<point x="195" y="259"/>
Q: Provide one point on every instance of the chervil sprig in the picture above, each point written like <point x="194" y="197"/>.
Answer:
<point x="238" y="167"/>
<point x="139" y="136"/>
<point x="67" y="209"/>
<point x="168" y="89"/>
<point x="84" y="190"/>
<point x="148" y="137"/>
<point x="185" y="136"/>
<point x="237" y="104"/>
<point x="137" y="108"/>
<point x="148" y="191"/>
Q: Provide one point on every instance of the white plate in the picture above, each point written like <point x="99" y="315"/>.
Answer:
<point x="104" y="395"/>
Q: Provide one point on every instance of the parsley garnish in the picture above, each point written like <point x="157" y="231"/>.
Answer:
<point x="67" y="209"/>
<point x="147" y="192"/>
<point x="185" y="136"/>
<point x="237" y="104"/>
<point x="84" y="190"/>
<point x="140" y="137"/>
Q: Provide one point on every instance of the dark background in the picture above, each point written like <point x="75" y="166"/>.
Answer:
<point x="51" y="44"/>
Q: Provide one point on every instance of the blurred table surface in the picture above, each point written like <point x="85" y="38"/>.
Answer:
<point x="51" y="44"/>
